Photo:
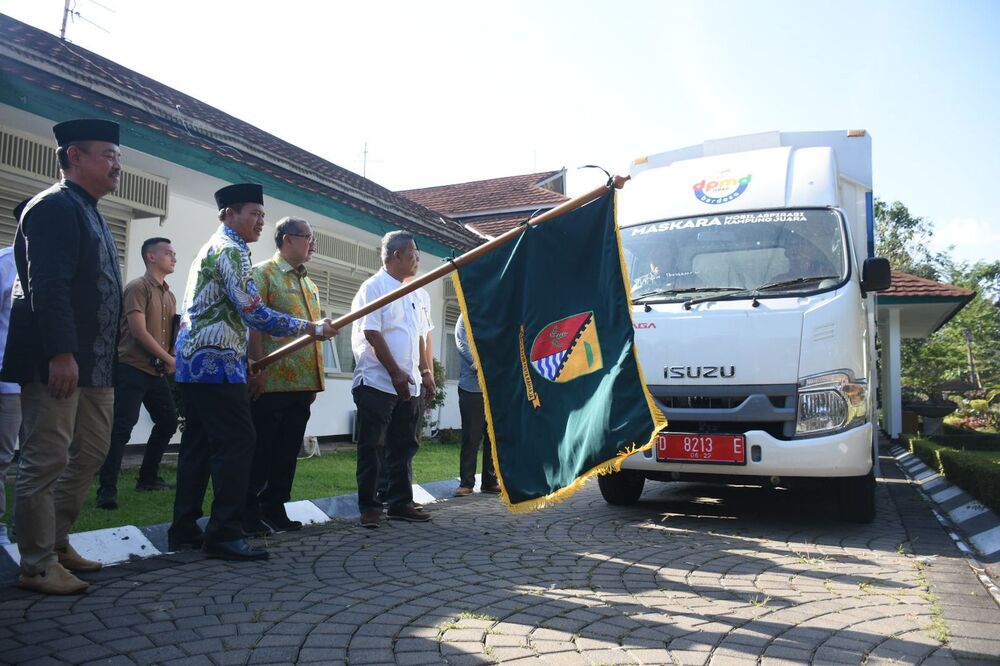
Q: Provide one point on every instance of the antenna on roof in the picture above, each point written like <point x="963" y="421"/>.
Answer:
<point x="71" y="14"/>
<point x="364" y="161"/>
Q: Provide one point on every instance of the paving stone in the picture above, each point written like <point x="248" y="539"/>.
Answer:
<point x="418" y="658"/>
<point x="158" y="655"/>
<point x="576" y="583"/>
<point x="273" y="655"/>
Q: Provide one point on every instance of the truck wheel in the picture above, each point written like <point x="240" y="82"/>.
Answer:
<point x="856" y="498"/>
<point x="621" y="488"/>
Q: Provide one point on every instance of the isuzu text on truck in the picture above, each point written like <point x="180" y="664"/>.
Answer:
<point x="752" y="289"/>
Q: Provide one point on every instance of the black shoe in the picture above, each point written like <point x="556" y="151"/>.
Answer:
<point x="158" y="484"/>
<point x="255" y="527"/>
<point x="236" y="550"/>
<point x="281" y="522"/>
<point x="191" y="543"/>
<point x="107" y="498"/>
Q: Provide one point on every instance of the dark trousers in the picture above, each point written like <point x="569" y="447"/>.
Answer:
<point x="474" y="435"/>
<point x="132" y="389"/>
<point x="280" y="420"/>
<point x="385" y="422"/>
<point x="218" y="442"/>
<point x="383" y="484"/>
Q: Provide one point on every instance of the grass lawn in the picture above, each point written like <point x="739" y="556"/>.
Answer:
<point x="324" y="476"/>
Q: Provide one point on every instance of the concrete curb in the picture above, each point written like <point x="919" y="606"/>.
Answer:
<point x="974" y="527"/>
<point x="127" y="543"/>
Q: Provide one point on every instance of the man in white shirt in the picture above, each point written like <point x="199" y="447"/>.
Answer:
<point x="427" y="388"/>
<point x="387" y="380"/>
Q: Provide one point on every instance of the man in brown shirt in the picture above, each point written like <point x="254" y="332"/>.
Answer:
<point x="145" y="357"/>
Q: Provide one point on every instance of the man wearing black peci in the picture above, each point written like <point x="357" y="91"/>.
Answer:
<point x="62" y="349"/>
<point x="220" y="304"/>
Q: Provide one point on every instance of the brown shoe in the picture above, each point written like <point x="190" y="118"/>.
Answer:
<point x="412" y="514"/>
<point x="74" y="561"/>
<point x="462" y="491"/>
<point x="371" y="519"/>
<point x="54" y="580"/>
<point x="493" y="490"/>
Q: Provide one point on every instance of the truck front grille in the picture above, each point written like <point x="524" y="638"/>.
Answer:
<point x="729" y="409"/>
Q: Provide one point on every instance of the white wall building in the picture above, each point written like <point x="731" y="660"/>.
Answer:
<point x="177" y="152"/>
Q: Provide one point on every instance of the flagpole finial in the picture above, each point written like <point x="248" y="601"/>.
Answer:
<point x="618" y="182"/>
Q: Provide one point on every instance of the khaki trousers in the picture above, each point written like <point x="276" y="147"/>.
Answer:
<point x="66" y="443"/>
<point x="10" y="424"/>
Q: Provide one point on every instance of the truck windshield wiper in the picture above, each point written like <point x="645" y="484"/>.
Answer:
<point x="795" y="281"/>
<point x="687" y="290"/>
<point x="764" y="287"/>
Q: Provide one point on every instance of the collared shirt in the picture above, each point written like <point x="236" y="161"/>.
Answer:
<point x="8" y="274"/>
<point x="399" y="324"/>
<point x="288" y="289"/>
<point x="158" y="306"/>
<point x="468" y="376"/>
<point x="221" y="300"/>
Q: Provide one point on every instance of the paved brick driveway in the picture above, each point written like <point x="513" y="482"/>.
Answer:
<point x="692" y="575"/>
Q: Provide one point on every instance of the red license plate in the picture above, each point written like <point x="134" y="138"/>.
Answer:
<point x="677" y="447"/>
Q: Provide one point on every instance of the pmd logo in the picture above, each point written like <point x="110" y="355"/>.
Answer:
<point x="723" y="190"/>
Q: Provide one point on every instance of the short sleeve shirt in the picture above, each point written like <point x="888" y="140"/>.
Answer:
<point x="287" y="289"/>
<point x="399" y="323"/>
<point x="158" y="306"/>
<point x="424" y="305"/>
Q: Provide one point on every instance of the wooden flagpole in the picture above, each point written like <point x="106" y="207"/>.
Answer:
<point x="442" y="270"/>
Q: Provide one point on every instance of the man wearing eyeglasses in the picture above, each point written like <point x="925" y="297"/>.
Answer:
<point x="221" y="303"/>
<point x="283" y="393"/>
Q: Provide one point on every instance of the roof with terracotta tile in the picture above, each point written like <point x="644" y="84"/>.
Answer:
<point x="905" y="285"/>
<point x="509" y="193"/>
<point x="33" y="57"/>
<point x="495" y="225"/>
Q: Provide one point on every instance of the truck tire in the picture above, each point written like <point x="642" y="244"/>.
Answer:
<point x="621" y="488"/>
<point x="856" y="498"/>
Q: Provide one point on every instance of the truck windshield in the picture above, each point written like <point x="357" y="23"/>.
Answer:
<point x="783" y="251"/>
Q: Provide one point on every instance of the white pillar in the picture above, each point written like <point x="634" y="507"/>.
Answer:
<point x="893" y="372"/>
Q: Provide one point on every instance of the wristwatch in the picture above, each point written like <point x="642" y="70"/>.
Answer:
<point x="318" y="330"/>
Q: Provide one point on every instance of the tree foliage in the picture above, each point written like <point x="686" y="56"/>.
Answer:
<point x="904" y="239"/>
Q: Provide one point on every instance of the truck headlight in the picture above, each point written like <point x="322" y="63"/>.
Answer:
<point x="834" y="401"/>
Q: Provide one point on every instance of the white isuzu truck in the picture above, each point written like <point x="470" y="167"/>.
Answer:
<point x="753" y="279"/>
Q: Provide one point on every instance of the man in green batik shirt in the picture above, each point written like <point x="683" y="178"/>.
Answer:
<point x="283" y="393"/>
<point x="221" y="303"/>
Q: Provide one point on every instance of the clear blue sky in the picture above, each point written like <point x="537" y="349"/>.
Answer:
<point x="447" y="92"/>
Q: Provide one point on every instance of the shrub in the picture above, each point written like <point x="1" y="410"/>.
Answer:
<point x="975" y="473"/>
<point x="450" y="436"/>
<point x="969" y="442"/>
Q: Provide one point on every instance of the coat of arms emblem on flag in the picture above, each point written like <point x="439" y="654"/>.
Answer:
<point x="568" y="348"/>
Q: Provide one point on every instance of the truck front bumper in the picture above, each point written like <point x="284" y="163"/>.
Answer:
<point x="842" y="454"/>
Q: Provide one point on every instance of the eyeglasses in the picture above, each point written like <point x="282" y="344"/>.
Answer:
<point x="309" y="237"/>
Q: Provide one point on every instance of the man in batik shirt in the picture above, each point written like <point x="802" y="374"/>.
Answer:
<point x="221" y="302"/>
<point x="282" y="395"/>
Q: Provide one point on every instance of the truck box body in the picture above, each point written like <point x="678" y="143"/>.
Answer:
<point x="746" y="257"/>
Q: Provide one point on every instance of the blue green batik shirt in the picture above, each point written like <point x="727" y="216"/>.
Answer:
<point x="220" y="304"/>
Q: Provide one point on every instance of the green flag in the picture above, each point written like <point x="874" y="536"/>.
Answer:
<point x="550" y="325"/>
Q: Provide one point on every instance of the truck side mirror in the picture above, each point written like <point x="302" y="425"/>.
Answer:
<point x="876" y="274"/>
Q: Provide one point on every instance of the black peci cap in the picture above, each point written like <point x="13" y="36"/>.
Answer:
<point x="86" y="129"/>
<point x="231" y="195"/>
